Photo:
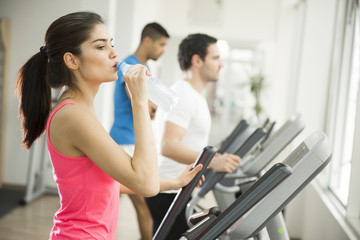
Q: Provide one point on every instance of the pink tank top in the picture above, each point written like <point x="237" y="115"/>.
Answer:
<point x="89" y="198"/>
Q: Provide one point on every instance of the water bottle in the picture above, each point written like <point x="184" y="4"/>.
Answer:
<point x="158" y="92"/>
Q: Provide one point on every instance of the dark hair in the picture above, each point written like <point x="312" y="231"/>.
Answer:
<point x="47" y="69"/>
<point x="154" y="31"/>
<point x="193" y="44"/>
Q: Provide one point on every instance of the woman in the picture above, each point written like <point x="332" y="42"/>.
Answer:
<point x="89" y="167"/>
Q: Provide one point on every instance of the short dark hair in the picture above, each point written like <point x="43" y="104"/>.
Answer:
<point x="193" y="44"/>
<point x="154" y="31"/>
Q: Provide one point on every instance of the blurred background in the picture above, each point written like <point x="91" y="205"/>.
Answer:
<point x="302" y="54"/>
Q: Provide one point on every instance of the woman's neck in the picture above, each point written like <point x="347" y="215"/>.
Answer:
<point x="82" y="96"/>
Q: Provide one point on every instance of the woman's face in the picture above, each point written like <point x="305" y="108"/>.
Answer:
<point x="98" y="57"/>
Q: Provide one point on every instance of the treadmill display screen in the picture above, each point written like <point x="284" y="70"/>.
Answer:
<point x="296" y="155"/>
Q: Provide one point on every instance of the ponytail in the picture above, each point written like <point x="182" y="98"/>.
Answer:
<point x="47" y="69"/>
<point x="34" y="94"/>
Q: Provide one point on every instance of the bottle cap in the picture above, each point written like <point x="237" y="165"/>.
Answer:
<point x="123" y="67"/>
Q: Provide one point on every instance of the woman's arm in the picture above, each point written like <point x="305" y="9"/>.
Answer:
<point x="75" y="131"/>
<point x="181" y="181"/>
<point x="173" y="183"/>
<point x="145" y="152"/>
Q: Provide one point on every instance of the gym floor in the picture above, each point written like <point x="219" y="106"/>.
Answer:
<point x="34" y="220"/>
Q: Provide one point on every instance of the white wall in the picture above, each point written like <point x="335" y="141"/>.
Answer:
<point x="318" y="208"/>
<point x="242" y="23"/>
<point x="120" y="21"/>
<point x="280" y="98"/>
<point x="29" y="21"/>
<point x="247" y="21"/>
<point x="315" y="62"/>
<point x="27" y="34"/>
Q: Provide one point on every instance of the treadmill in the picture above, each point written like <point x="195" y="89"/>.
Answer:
<point x="257" y="160"/>
<point x="253" y="163"/>
<point x="248" y="218"/>
<point x="185" y="193"/>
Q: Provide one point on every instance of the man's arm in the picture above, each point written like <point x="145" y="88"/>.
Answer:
<point x="171" y="146"/>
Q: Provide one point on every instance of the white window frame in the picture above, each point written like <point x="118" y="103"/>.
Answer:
<point x="339" y="85"/>
<point x="353" y="207"/>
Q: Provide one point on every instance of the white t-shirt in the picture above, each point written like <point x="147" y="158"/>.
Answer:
<point x="191" y="113"/>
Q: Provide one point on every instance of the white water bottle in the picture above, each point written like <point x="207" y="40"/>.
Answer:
<point x="159" y="93"/>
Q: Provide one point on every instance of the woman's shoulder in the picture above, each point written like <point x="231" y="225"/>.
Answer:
<point x="72" y="114"/>
<point x="70" y="126"/>
<point x="73" y="124"/>
<point x="68" y="108"/>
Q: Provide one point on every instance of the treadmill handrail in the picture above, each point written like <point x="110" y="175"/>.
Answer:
<point x="184" y="195"/>
<point x="265" y="184"/>
<point x="307" y="161"/>
<point x="214" y="177"/>
<point x="273" y="146"/>
<point x="269" y="132"/>
<point x="239" y="129"/>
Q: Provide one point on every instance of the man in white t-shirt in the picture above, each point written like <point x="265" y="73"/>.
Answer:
<point x="187" y="126"/>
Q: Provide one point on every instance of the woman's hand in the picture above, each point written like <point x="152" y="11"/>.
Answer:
<point x="187" y="175"/>
<point x="135" y="79"/>
<point x="182" y="180"/>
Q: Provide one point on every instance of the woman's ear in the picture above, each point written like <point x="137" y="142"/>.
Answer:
<point x="71" y="61"/>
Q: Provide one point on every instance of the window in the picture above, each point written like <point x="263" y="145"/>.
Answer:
<point x="344" y="113"/>
<point x="230" y="98"/>
<point x="340" y="179"/>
